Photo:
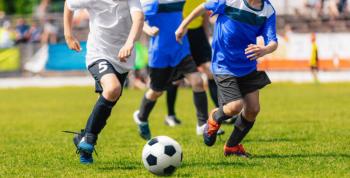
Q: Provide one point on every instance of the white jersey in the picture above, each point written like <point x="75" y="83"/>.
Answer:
<point x="110" y="24"/>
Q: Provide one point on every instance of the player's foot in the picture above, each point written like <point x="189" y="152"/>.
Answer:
<point x="143" y="127"/>
<point x="85" y="150"/>
<point x="172" y="121"/>
<point x="200" y="130"/>
<point x="211" y="129"/>
<point x="236" y="151"/>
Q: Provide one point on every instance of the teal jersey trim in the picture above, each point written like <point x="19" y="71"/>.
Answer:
<point x="171" y="7"/>
<point x="244" y="16"/>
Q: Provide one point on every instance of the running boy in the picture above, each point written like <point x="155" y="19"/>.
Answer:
<point x="168" y="61"/>
<point x="234" y="63"/>
<point x="114" y="28"/>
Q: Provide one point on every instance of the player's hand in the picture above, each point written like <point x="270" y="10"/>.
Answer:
<point x="180" y="33"/>
<point x="153" y="31"/>
<point x="73" y="43"/>
<point x="125" y="52"/>
<point x="254" y="51"/>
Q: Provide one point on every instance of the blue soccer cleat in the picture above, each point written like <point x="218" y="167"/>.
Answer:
<point x="85" y="150"/>
<point x="143" y="127"/>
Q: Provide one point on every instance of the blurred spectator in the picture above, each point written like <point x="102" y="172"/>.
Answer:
<point x="6" y="35"/>
<point x="342" y="6"/>
<point x="331" y="9"/>
<point x="313" y="8"/>
<point x="35" y="32"/>
<point x="22" y="31"/>
<point x="314" y="60"/>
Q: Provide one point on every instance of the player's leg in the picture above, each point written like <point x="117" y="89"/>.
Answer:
<point x="201" y="53"/>
<point x="189" y="69"/>
<point x="109" y="85"/>
<point x="159" y="81"/>
<point x="243" y="125"/>
<point x="231" y="103"/>
<point x="171" y="94"/>
<point x="249" y="87"/>
<point x="213" y="89"/>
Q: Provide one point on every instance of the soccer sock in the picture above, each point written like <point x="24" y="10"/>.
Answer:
<point x="145" y="109"/>
<point x="171" y="99"/>
<point x="98" y="118"/>
<point x="213" y="90"/>
<point x="201" y="104"/>
<point x="220" y="116"/>
<point x="242" y="127"/>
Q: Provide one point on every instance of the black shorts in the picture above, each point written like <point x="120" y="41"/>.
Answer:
<point x="102" y="67"/>
<point x="200" y="47"/>
<point x="162" y="78"/>
<point x="232" y="88"/>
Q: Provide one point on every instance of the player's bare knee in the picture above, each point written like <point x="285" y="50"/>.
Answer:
<point x="153" y="95"/>
<point x="112" y="92"/>
<point x="197" y="82"/>
<point x="233" y="108"/>
<point x="251" y="112"/>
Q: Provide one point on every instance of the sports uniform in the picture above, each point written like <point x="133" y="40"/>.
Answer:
<point x="110" y="24"/>
<point x="199" y="43"/>
<point x="238" y="25"/>
<point x="168" y="60"/>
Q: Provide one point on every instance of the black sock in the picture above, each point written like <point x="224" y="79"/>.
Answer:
<point x="220" y="116"/>
<point x="242" y="127"/>
<point x="171" y="99"/>
<point x="213" y="90"/>
<point x="145" y="109"/>
<point x="201" y="104"/>
<point x="98" y="118"/>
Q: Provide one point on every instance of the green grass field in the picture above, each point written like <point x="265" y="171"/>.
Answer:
<point x="302" y="131"/>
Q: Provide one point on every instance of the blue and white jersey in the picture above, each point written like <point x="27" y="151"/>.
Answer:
<point x="237" y="26"/>
<point x="164" y="50"/>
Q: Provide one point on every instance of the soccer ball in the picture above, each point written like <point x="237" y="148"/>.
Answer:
<point x="162" y="155"/>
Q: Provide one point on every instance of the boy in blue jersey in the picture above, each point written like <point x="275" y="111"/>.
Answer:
<point x="234" y="63"/>
<point x="168" y="61"/>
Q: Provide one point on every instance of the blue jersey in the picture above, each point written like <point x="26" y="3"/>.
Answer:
<point x="166" y="15"/>
<point x="237" y="26"/>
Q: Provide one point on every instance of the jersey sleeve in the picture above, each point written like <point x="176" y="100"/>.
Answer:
<point x="135" y="5"/>
<point x="78" y="4"/>
<point x="269" y="30"/>
<point x="216" y="6"/>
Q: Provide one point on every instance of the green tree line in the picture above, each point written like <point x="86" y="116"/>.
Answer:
<point x="21" y="7"/>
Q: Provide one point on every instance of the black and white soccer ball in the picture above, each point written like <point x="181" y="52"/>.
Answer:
<point x="162" y="155"/>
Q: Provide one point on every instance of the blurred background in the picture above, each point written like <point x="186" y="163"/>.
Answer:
<point x="314" y="44"/>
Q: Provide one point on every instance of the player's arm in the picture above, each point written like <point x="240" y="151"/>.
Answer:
<point x="182" y="29"/>
<point x="135" y="32"/>
<point x="150" y="31"/>
<point x="71" y="41"/>
<point x="206" y="24"/>
<point x="254" y="51"/>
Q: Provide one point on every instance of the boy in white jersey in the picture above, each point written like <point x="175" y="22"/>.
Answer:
<point x="234" y="63"/>
<point x="115" y="25"/>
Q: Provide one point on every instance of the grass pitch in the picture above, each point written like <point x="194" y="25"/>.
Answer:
<point x="302" y="131"/>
